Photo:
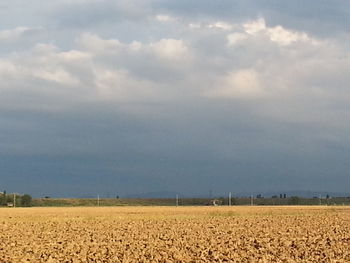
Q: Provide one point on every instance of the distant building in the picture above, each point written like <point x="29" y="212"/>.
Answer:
<point x="215" y="202"/>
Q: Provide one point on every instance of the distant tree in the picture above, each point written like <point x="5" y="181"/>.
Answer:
<point x="26" y="200"/>
<point x="221" y="201"/>
<point x="294" y="200"/>
<point x="3" y="200"/>
<point x="233" y="201"/>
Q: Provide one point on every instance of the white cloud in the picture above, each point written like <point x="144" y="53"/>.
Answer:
<point x="74" y="55"/>
<point x="136" y="46"/>
<point x="96" y="44"/>
<point x="283" y="36"/>
<point x="194" y="25"/>
<point x="7" y="69"/>
<point x="120" y="85"/>
<point x="166" y="48"/>
<point x="222" y="25"/>
<point x="241" y="84"/>
<point x="59" y="75"/>
<point x="97" y="70"/>
<point x="245" y="61"/>
<point x="45" y="63"/>
<point x="235" y="38"/>
<point x="255" y="26"/>
<point x="174" y="49"/>
<point x="11" y="35"/>
<point x="42" y="48"/>
<point x="277" y="34"/>
<point x="165" y="18"/>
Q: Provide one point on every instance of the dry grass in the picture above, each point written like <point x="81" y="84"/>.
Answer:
<point x="175" y="234"/>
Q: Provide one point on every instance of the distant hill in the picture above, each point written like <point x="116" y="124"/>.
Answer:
<point x="300" y="193"/>
<point x="162" y="194"/>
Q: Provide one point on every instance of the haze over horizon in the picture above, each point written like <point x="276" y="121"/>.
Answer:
<point x="125" y="97"/>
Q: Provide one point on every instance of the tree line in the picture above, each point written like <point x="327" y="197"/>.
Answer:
<point x="15" y="200"/>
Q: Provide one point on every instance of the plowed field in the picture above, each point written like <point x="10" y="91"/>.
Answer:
<point x="175" y="234"/>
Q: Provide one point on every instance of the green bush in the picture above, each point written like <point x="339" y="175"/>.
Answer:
<point x="26" y="200"/>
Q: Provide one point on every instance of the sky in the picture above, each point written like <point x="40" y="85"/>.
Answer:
<point x="124" y="97"/>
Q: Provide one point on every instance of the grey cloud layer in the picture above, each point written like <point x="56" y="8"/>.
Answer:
<point x="157" y="90"/>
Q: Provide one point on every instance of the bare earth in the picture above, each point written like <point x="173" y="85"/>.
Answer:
<point x="175" y="234"/>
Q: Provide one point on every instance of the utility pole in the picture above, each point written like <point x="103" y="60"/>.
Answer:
<point x="251" y="200"/>
<point x="177" y="200"/>
<point x="98" y="200"/>
<point x="14" y="200"/>
<point x="229" y="199"/>
<point x="320" y="197"/>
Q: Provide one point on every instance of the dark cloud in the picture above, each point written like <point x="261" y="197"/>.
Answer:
<point x="127" y="97"/>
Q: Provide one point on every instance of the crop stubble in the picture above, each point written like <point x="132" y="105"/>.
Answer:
<point x="175" y="234"/>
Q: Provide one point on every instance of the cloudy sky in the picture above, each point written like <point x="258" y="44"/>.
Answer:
<point x="120" y="97"/>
